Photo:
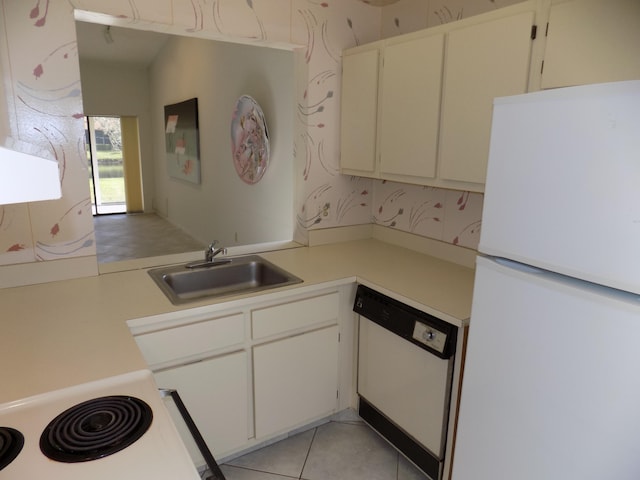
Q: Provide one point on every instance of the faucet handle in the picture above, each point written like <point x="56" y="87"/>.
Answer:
<point x="208" y="254"/>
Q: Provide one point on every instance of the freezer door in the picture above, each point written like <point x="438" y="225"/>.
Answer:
<point x="551" y="388"/>
<point x="563" y="179"/>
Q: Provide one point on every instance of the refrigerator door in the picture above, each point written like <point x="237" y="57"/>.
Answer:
<point x="551" y="387"/>
<point x="563" y="182"/>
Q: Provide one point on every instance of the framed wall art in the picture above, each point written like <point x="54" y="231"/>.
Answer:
<point x="182" y="140"/>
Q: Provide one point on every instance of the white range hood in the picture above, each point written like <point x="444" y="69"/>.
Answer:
<point x="27" y="178"/>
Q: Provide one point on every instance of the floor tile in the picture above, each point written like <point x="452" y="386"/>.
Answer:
<point x="344" y="451"/>
<point x="286" y="457"/>
<point x="348" y="415"/>
<point x="408" y="471"/>
<point x="126" y="237"/>
<point x="236" y="473"/>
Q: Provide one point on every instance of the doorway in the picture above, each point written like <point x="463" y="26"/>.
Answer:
<point x="114" y="164"/>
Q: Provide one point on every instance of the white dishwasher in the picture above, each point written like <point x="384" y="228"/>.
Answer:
<point x="405" y="373"/>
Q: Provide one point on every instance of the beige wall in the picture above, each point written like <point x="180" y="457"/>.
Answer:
<point x="222" y="207"/>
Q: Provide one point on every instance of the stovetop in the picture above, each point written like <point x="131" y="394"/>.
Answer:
<point x="118" y="427"/>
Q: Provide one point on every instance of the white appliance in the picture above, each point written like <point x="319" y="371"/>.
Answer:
<point x="551" y="388"/>
<point x="405" y="376"/>
<point x="158" y="453"/>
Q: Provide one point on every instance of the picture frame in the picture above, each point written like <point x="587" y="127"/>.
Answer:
<point x="182" y="140"/>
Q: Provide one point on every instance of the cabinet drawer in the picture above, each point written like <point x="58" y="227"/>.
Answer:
<point x="295" y="315"/>
<point x="190" y="340"/>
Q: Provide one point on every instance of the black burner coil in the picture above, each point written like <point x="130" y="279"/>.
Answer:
<point x="11" y="443"/>
<point x="95" y="429"/>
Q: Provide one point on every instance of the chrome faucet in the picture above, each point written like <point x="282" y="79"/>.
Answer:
<point x="210" y="257"/>
<point x="211" y="252"/>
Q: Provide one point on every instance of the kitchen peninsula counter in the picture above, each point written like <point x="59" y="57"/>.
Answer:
<point x="69" y="332"/>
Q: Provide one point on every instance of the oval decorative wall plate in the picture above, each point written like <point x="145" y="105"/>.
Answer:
<point x="249" y="140"/>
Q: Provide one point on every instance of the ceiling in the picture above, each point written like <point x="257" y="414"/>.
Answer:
<point x="129" y="45"/>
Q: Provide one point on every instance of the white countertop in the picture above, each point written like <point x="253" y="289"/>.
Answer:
<point x="64" y="333"/>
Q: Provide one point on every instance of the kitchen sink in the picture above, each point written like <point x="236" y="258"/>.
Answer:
<point x="223" y="277"/>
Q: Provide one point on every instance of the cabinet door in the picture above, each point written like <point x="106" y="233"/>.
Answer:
<point x="410" y="107"/>
<point x="592" y="41"/>
<point x="359" y="111"/>
<point x="215" y="394"/>
<point x="295" y="380"/>
<point x="482" y="62"/>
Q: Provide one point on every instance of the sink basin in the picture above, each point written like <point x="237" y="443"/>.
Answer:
<point x="224" y="277"/>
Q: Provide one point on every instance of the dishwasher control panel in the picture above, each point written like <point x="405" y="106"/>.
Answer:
<point x="418" y="327"/>
<point x="427" y="335"/>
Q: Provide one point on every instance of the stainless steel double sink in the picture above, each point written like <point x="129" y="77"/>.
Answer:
<point x="222" y="277"/>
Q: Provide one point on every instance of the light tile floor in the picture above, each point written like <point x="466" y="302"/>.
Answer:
<point x="127" y="237"/>
<point x="343" y="449"/>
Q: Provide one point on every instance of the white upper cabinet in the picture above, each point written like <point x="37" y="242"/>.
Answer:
<point x="483" y="61"/>
<point x="424" y="100"/>
<point x="359" y="111"/>
<point x="410" y="106"/>
<point x="592" y="41"/>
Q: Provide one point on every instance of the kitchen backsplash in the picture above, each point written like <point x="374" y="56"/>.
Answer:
<point x="38" y="55"/>
<point x="447" y="215"/>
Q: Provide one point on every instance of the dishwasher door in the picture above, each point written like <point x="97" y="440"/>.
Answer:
<point x="406" y="383"/>
<point x="405" y="375"/>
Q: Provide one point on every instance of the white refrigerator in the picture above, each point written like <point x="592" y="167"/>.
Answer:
<point x="551" y="386"/>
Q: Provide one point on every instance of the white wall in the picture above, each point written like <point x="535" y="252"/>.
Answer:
<point x="223" y="207"/>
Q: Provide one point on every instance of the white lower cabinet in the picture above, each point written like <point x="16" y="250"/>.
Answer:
<point x="216" y="394"/>
<point x="255" y="370"/>
<point x="295" y="380"/>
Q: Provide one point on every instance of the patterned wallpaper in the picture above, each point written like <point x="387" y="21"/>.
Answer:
<point x="410" y="15"/>
<point x="38" y="59"/>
